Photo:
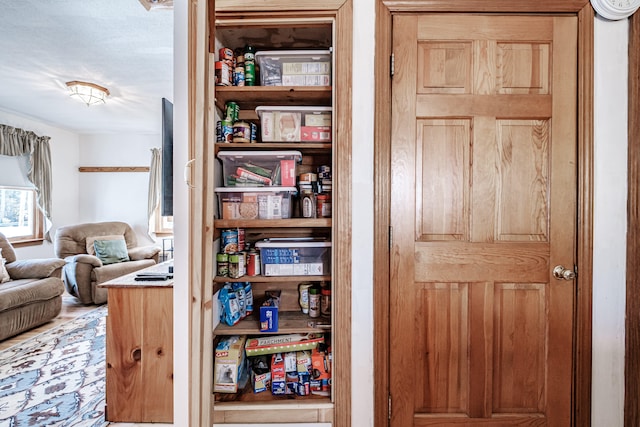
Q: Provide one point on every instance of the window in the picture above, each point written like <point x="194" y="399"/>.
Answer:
<point x="163" y="225"/>
<point x="20" y="218"/>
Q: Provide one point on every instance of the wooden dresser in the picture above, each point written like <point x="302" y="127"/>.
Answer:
<point x="139" y="358"/>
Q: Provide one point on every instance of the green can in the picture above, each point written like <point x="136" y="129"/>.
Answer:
<point x="249" y="66"/>
<point x="232" y="111"/>
<point x="222" y="261"/>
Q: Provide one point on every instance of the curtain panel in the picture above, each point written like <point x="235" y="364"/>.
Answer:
<point x="19" y="142"/>
<point x="155" y="186"/>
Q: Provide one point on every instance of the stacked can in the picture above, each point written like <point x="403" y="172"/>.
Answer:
<point x="224" y="128"/>
<point x="323" y="199"/>
<point x="224" y="67"/>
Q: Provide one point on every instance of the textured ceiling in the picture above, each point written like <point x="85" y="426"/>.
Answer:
<point x="117" y="44"/>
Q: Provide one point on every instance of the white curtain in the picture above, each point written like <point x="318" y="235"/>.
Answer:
<point x="155" y="186"/>
<point x="19" y="142"/>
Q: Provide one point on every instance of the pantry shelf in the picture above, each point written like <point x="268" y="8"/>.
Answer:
<point x="253" y="96"/>
<point x="273" y="279"/>
<point x="274" y="223"/>
<point x="290" y="322"/>
<point x="263" y="401"/>
<point x="305" y="147"/>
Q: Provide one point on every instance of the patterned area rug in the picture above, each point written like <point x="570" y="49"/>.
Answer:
<point x="58" y="377"/>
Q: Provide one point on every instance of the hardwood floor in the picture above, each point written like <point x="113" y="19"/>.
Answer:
<point x="71" y="309"/>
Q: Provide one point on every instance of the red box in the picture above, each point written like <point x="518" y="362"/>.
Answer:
<point x="278" y="375"/>
<point x="288" y="173"/>
<point x="315" y="133"/>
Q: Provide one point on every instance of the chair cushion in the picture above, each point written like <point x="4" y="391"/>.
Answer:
<point x="17" y="293"/>
<point x="90" y="240"/>
<point x="111" y="251"/>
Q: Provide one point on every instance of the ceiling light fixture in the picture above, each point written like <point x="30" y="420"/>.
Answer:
<point x="89" y="93"/>
<point x="157" y="4"/>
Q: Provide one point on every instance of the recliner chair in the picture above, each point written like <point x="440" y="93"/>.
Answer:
<point x="84" y="269"/>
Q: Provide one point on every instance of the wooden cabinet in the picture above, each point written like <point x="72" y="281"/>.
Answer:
<point x="270" y="25"/>
<point x="139" y="374"/>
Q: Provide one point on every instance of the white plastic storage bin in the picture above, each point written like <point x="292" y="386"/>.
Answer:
<point x="255" y="202"/>
<point x="294" y="67"/>
<point x="292" y="257"/>
<point x="259" y="168"/>
<point x="295" y="124"/>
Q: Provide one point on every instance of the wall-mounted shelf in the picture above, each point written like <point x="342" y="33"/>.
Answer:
<point x="113" y="169"/>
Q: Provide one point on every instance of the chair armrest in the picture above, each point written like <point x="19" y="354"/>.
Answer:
<point x="84" y="259"/>
<point x="34" y="268"/>
<point x="143" y="252"/>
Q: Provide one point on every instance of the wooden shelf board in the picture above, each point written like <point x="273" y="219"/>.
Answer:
<point x="289" y="322"/>
<point x="250" y="97"/>
<point x="302" y="146"/>
<point x="113" y="169"/>
<point x="273" y="279"/>
<point x="247" y="400"/>
<point x="273" y="223"/>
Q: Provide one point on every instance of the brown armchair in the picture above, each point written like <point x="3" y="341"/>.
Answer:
<point x="84" y="269"/>
<point x="33" y="294"/>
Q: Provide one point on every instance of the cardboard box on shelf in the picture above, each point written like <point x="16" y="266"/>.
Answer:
<point x="278" y="375"/>
<point x="269" y="312"/>
<point x="230" y="370"/>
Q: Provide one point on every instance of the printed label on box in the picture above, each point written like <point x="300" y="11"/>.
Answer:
<point x="306" y="68"/>
<point x="306" y="80"/>
<point x="288" y="173"/>
<point x="287" y="126"/>
<point x="307" y="269"/>
<point x="323" y="119"/>
<point x="267" y="120"/>
<point x="315" y="133"/>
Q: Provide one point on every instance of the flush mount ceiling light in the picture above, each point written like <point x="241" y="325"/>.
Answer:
<point x="89" y="93"/>
<point x="157" y="4"/>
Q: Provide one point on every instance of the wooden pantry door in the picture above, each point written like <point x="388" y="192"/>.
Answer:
<point x="483" y="208"/>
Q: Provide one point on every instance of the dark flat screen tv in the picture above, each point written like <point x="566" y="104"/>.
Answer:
<point x="167" y="158"/>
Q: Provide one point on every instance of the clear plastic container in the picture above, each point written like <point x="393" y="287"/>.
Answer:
<point x="295" y="257"/>
<point x="259" y="168"/>
<point x="294" y="67"/>
<point x="255" y="202"/>
<point x="295" y="124"/>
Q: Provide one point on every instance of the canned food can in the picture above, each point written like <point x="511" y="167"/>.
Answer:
<point x="222" y="74"/>
<point x="227" y="130"/>
<point x="232" y="111"/>
<point x="253" y="263"/>
<point x="222" y="260"/>
<point x="254" y="132"/>
<point x="226" y="54"/>
<point x="229" y="241"/>
<point x="241" y="244"/>
<point x="236" y="265"/>
<point x="219" y="135"/>
<point x="238" y="76"/>
<point x="241" y="132"/>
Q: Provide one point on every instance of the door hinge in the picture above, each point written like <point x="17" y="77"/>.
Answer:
<point x="389" y="406"/>
<point x="390" y="237"/>
<point x="393" y="64"/>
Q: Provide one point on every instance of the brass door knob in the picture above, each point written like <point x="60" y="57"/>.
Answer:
<point x="561" y="273"/>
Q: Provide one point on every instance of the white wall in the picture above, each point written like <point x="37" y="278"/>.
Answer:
<point x="65" y="185"/>
<point x="362" y="387"/>
<point x="610" y="222"/>
<point x="116" y="196"/>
